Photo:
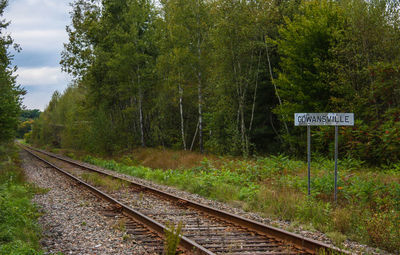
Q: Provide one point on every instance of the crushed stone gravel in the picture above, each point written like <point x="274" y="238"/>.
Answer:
<point x="71" y="220"/>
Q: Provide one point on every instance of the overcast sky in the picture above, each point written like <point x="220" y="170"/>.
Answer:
<point x="39" y="27"/>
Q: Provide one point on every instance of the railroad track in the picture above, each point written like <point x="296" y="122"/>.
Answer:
<point x="205" y="230"/>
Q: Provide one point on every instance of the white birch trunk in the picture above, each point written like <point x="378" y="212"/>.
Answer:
<point x="181" y="113"/>
<point x="199" y="77"/>
<point x="141" y="117"/>
<point x="276" y="90"/>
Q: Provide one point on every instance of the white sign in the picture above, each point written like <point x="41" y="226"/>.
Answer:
<point x="324" y="119"/>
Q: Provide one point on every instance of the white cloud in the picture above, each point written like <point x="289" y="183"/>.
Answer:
<point x="37" y="100"/>
<point x="41" y="76"/>
<point x="42" y="40"/>
<point x="39" y="27"/>
<point x="38" y="13"/>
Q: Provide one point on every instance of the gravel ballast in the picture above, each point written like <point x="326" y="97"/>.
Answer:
<point x="72" y="219"/>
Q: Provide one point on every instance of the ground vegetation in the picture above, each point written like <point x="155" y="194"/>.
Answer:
<point x="367" y="209"/>
<point x="19" y="232"/>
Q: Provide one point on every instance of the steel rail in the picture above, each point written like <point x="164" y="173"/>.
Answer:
<point x="310" y="245"/>
<point x="187" y="244"/>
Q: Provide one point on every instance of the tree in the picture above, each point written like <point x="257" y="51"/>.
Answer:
<point x="10" y="93"/>
<point x="27" y="114"/>
<point x="239" y="72"/>
<point x="305" y="76"/>
<point x="83" y="33"/>
<point x="184" y="56"/>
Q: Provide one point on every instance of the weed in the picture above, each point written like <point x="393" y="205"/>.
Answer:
<point x="83" y="203"/>
<point x="172" y="238"/>
<point x="337" y="238"/>
<point x="70" y="155"/>
<point x="107" y="182"/>
<point x="126" y="237"/>
<point x="120" y="225"/>
<point x="324" y="252"/>
<point x="341" y="218"/>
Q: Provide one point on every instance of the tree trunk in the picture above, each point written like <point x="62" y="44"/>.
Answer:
<point x="276" y="90"/>
<point x="245" y="144"/>
<point x="141" y="116"/>
<point x="199" y="77"/>
<point x="200" y="118"/>
<point x="140" y="107"/>
<point x="255" y="93"/>
<point x="195" y="134"/>
<point x="181" y="113"/>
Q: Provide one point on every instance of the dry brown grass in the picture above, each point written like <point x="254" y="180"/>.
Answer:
<point x="168" y="159"/>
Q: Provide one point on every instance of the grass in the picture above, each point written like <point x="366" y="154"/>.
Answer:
<point x="109" y="183"/>
<point x="172" y="238"/>
<point x="19" y="232"/>
<point x="368" y="207"/>
<point x="120" y="225"/>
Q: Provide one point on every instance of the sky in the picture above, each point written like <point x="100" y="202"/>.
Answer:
<point x="38" y="26"/>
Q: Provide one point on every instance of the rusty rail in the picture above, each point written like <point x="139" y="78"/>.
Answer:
<point x="309" y="245"/>
<point x="185" y="243"/>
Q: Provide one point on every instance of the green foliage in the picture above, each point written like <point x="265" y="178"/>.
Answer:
<point x="241" y="90"/>
<point x="10" y="93"/>
<point x="367" y="210"/>
<point x="334" y="60"/>
<point x="24" y="128"/>
<point x="19" y="233"/>
<point x="26" y="119"/>
<point x="108" y="183"/>
<point x="172" y="238"/>
<point x="305" y="75"/>
<point x="29" y="114"/>
<point x="227" y="76"/>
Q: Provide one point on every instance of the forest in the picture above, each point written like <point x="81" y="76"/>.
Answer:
<point x="226" y="77"/>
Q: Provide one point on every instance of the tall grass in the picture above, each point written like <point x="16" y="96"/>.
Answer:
<point x="368" y="207"/>
<point x="172" y="238"/>
<point x="109" y="183"/>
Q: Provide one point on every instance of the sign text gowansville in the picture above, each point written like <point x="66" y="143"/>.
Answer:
<point x="324" y="119"/>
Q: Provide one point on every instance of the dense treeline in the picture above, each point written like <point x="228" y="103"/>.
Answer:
<point x="26" y="119"/>
<point x="10" y="93"/>
<point x="226" y="76"/>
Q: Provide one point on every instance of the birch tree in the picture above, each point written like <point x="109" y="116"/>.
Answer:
<point x="186" y="28"/>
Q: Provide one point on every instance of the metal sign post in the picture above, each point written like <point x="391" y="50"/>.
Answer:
<point x="309" y="158"/>
<point x="336" y="159"/>
<point x="323" y="119"/>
